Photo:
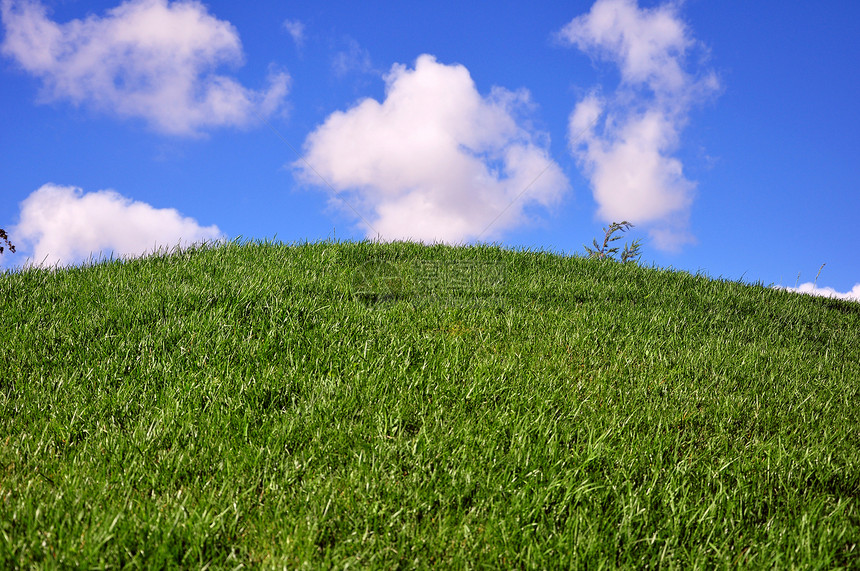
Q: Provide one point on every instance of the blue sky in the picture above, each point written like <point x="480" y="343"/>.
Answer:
<point x="727" y="132"/>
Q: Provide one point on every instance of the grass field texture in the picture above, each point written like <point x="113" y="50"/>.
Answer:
<point x="365" y="405"/>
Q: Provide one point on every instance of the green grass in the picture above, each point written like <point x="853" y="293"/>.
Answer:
<point x="265" y="405"/>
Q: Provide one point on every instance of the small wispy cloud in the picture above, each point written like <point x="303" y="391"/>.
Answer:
<point x="147" y="59"/>
<point x="436" y="160"/>
<point x="628" y="155"/>
<point x="296" y="29"/>
<point x="352" y="58"/>
<point x="62" y="225"/>
<point x="811" y="288"/>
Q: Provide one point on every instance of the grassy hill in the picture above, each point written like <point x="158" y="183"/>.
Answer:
<point x="399" y="406"/>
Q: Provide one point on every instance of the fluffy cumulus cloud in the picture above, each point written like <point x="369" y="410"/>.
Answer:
<point x="625" y="141"/>
<point x="150" y="59"/>
<point x="62" y="225"/>
<point x="811" y="289"/>
<point x="436" y="160"/>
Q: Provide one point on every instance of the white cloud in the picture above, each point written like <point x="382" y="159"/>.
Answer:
<point x="435" y="161"/>
<point x="352" y="59"/>
<point x="628" y="157"/>
<point x="148" y="59"/>
<point x="62" y="225"/>
<point x="647" y="45"/>
<point x="812" y="289"/>
<point x="296" y="30"/>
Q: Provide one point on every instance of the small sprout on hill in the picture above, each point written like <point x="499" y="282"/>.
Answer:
<point x="631" y="252"/>
<point x="5" y="238"/>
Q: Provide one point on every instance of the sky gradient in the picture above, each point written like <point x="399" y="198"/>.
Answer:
<point x="726" y="132"/>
